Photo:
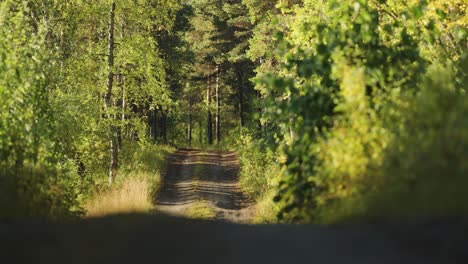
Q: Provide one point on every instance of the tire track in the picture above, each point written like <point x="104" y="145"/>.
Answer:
<point x="209" y="176"/>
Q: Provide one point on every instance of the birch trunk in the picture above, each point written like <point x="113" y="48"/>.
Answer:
<point x="114" y="151"/>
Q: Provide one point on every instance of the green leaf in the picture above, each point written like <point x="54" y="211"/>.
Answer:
<point x="442" y="15"/>
<point x="417" y="12"/>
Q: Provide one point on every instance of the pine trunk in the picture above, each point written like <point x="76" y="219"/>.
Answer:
<point x="163" y="127"/>
<point x="241" y="101"/>
<point x="190" y="127"/>
<point x="200" y="132"/>
<point x="260" y="113"/>
<point x="209" y="125"/>
<point x="218" y="117"/>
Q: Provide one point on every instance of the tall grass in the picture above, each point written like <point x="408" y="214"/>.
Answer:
<point x="136" y="186"/>
<point x="131" y="195"/>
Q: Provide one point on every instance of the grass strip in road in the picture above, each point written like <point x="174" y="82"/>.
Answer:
<point x="201" y="210"/>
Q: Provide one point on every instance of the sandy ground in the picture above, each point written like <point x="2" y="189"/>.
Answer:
<point x="209" y="176"/>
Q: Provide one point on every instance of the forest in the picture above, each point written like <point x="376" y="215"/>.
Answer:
<point x="339" y="111"/>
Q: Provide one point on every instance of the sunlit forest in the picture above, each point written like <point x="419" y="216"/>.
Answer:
<point x="338" y="111"/>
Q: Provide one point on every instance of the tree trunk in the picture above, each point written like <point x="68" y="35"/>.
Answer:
<point x="259" y="111"/>
<point x="200" y="132"/>
<point x="218" y="118"/>
<point x="209" y="124"/>
<point x="153" y="125"/>
<point x="163" y="127"/>
<point x="241" y="100"/>
<point x="291" y="130"/>
<point x="114" y="151"/>
<point x="190" y="128"/>
<point x="121" y="104"/>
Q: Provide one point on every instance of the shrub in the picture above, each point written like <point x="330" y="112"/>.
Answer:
<point x="415" y="168"/>
<point x="259" y="176"/>
<point x="259" y="169"/>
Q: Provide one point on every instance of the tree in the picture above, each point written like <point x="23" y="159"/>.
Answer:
<point x="114" y="151"/>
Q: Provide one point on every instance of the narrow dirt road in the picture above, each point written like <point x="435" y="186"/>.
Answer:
<point x="209" y="178"/>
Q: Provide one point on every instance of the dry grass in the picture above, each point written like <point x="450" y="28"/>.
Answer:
<point x="131" y="195"/>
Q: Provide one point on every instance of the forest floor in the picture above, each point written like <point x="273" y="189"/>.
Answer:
<point x="209" y="178"/>
<point x="204" y="184"/>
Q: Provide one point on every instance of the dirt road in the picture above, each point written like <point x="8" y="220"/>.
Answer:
<point x="206" y="179"/>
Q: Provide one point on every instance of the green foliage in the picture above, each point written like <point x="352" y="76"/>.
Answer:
<point x="259" y="167"/>
<point x="357" y="107"/>
<point x="36" y="178"/>
<point x="141" y="162"/>
<point x="146" y="159"/>
<point x="347" y="71"/>
<point x="53" y="72"/>
<point x="260" y="173"/>
<point x="425" y="168"/>
<point x="419" y="172"/>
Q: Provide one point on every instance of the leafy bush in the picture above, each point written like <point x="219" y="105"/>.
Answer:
<point x="259" y="169"/>
<point x="409" y="166"/>
<point x="36" y="179"/>
<point x="259" y="176"/>
<point x="425" y="166"/>
<point x="349" y="90"/>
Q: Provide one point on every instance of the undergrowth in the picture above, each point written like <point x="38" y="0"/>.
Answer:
<point x="135" y="188"/>
<point x="259" y="176"/>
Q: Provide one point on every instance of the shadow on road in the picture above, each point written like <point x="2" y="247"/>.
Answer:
<point x="192" y="175"/>
<point x="163" y="239"/>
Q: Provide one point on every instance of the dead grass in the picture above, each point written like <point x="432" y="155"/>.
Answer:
<point x="131" y="195"/>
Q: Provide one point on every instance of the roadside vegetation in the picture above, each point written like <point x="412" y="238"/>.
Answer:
<point x="369" y="99"/>
<point x="128" y="196"/>
<point x="259" y="176"/>
<point x="136" y="189"/>
<point x="364" y="111"/>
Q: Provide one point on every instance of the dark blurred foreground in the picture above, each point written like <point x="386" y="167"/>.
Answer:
<point x="161" y="239"/>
